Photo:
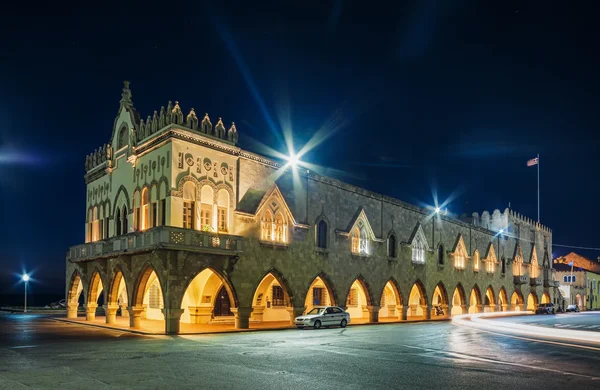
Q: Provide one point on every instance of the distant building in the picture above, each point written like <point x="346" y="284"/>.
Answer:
<point x="577" y="285"/>
<point x="579" y="261"/>
<point x="183" y="227"/>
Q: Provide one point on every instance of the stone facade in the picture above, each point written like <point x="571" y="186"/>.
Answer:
<point x="225" y="233"/>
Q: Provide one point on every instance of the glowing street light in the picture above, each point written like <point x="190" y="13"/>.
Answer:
<point x="437" y="210"/>
<point x="501" y="231"/>
<point x="25" y="278"/>
<point x="293" y="160"/>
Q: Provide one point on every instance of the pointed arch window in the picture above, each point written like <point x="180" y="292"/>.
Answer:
<point x="392" y="246"/>
<point x="95" y="224"/>
<point x="460" y="257"/>
<point x="517" y="270"/>
<point x="441" y="254"/>
<point x="322" y="234"/>
<point x="476" y="261"/>
<point x="189" y="205"/>
<point x="355" y="241"/>
<point x="145" y="210"/>
<point x="489" y="265"/>
<point x="534" y="268"/>
<point x="118" y="222"/>
<point x="123" y="138"/>
<point x="266" y="226"/>
<point x="124" y="221"/>
<point x="418" y="251"/>
<point x="279" y="228"/>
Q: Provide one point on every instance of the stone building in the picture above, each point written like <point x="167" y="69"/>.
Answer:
<point x="577" y="286"/>
<point x="184" y="227"/>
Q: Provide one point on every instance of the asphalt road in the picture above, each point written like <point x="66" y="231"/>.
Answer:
<point x="38" y="352"/>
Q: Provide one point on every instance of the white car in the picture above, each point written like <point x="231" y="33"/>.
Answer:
<point x="323" y="316"/>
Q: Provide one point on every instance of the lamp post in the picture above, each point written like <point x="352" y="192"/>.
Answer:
<point x="25" y="279"/>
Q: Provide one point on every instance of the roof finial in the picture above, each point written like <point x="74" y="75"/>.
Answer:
<point x="126" y="95"/>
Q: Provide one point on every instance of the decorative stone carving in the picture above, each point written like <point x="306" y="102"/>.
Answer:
<point x="220" y="129"/>
<point x="224" y="169"/>
<point x="206" y="125"/>
<point x="142" y="133"/>
<point x="192" y="120"/>
<point x="232" y="134"/>
<point x="169" y="111"/>
<point x="176" y="114"/>
<point x="180" y="161"/>
<point x="154" y="122"/>
<point x="215" y="174"/>
<point x="162" y="121"/>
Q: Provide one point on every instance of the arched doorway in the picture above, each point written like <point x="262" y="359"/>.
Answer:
<point x="459" y="301"/>
<point x="545" y="298"/>
<point x="439" y="301"/>
<point x="516" y="301"/>
<point x="502" y="300"/>
<point x="489" y="304"/>
<point x="357" y="300"/>
<point x="95" y="297"/>
<point x="271" y="301"/>
<point x="319" y="294"/>
<point x="117" y="300"/>
<point x="148" y="302"/>
<point x="532" y="301"/>
<point x="74" y="295"/>
<point x="579" y="301"/>
<point x="390" y="303"/>
<point x="417" y="302"/>
<point x="475" y="300"/>
<point x="208" y="299"/>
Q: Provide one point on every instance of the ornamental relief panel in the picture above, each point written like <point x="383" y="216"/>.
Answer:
<point x="205" y="166"/>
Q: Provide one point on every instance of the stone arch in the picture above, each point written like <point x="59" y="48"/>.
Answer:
<point x="475" y="300"/>
<point x="207" y="295"/>
<point x="272" y="298"/>
<point x="359" y="299"/>
<point x="417" y="301"/>
<point x="76" y="289"/>
<point x="122" y="191"/>
<point x="439" y="298"/>
<point x="502" y="299"/>
<point x="489" y="303"/>
<point x="390" y="301"/>
<point x="118" y="284"/>
<point x="459" y="300"/>
<point x="140" y="285"/>
<point x="546" y="298"/>
<point x="516" y="301"/>
<point x="322" y="230"/>
<point x="321" y="292"/>
<point x="532" y="301"/>
<point x="95" y="288"/>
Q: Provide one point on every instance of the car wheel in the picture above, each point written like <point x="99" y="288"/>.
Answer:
<point x="317" y="324"/>
<point x="553" y="311"/>
<point x="343" y="323"/>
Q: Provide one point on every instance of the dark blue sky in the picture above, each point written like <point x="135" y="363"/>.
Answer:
<point x="451" y="98"/>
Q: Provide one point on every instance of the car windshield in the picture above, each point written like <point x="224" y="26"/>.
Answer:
<point x="316" y="310"/>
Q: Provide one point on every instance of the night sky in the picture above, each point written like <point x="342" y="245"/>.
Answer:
<point x="446" y="97"/>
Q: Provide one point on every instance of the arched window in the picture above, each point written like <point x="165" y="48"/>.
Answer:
<point x="355" y="241"/>
<point x="503" y="265"/>
<point x="124" y="225"/>
<point x="206" y="208"/>
<point x="90" y="226"/>
<point x="223" y="211"/>
<point x="322" y="234"/>
<point x="418" y="251"/>
<point x="489" y="265"/>
<point x="118" y="222"/>
<point x="189" y="205"/>
<point x="364" y="242"/>
<point x="95" y="224"/>
<point x="106" y="220"/>
<point x="476" y="261"/>
<point x="266" y="226"/>
<point x="123" y="138"/>
<point x="280" y="231"/>
<point x="517" y="266"/>
<point x="460" y="257"/>
<point x="145" y="223"/>
<point x="534" y="268"/>
<point x="392" y="246"/>
<point x="441" y="254"/>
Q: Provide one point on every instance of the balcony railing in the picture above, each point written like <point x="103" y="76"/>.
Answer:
<point x="162" y="236"/>
<point x="537" y="281"/>
<point x="521" y="279"/>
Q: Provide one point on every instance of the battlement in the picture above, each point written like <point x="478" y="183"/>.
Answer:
<point x="505" y="220"/>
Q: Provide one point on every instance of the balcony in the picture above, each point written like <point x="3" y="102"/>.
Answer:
<point x="521" y="279"/>
<point x="548" y="277"/>
<point x="537" y="281"/>
<point x="166" y="237"/>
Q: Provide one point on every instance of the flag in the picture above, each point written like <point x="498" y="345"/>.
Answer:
<point x="533" y="161"/>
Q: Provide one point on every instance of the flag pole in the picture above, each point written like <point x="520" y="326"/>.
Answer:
<point x="538" y="172"/>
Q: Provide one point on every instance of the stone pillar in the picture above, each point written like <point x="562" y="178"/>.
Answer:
<point x="257" y="312"/>
<point x="172" y="317"/>
<point x="373" y="313"/>
<point x="464" y="309"/>
<point x="404" y="315"/>
<point x="72" y="310"/>
<point x="242" y="317"/>
<point x="90" y="311"/>
<point x="200" y="314"/>
<point x="111" y="313"/>
<point x="427" y="310"/>
<point x="505" y="307"/>
<point x="135" y="316"/>
<point x="294" y="312"/>
<point x="124" y="311"/>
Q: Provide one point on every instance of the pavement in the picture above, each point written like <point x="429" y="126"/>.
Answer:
<point x="37" y="351"/>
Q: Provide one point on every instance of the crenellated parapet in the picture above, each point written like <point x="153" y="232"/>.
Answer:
<point x="98" y="157"/>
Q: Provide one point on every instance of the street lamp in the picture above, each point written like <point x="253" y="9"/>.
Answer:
<point x="25" y="278"/>
<point x="437" y="210"/>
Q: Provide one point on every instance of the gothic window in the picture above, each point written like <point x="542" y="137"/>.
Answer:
<point x="392" y="246"/>
<point x="188" y="215"/>
<point x="352" y="297"/>
<point x="460" y="256"/>
<point x="95" y="224"/>
<point x="489" y="265"/>
<point x="106" y="221"/>
<point x="364" y="242"/>
<point x="503" y="265"/>
<point x="118" y="222"/>
<point x="279" y="228"/>
<point x="355" y="241"/>
<point x="189" y="205"/>
<point x="124" y="221"/>
<point x="206" y="208"/>
<point x="441" y="254"/>
<point x="278" y="298"/>
<point x="418" y="250"/>
<point x="322" y="234"/>
<point x="163" y="212"/>
<point x="517" y="266"/>
<point x="123" y="138"/>
<point x="266" y="225"/>
<point x="476" y="261"/>
<point x="223" y="211"/>
<point x="534" y="268"/>
<point x="145" y="206"/>
<point x="88" y="236"/>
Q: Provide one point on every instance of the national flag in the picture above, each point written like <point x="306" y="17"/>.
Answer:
<point x="533" y="161"/>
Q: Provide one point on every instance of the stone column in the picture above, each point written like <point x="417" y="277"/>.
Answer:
<point x="72" y="310"/>
<point x="295" y="312"/>
<point x="505" y="307"/>
<point x="111" y="313"/>
<point x="242" y="317"/>
<point x="90" y="311"/>
<point x="404" y="315"/>
<point x="135" y="316"/>
<point x="427" y="310"/>
<point x="373" y="313"/>
<point x="479" y="308"/>
<point x="464" y="309"/>
<point x="172" y="317"/>
<point x="124" y="311"/>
